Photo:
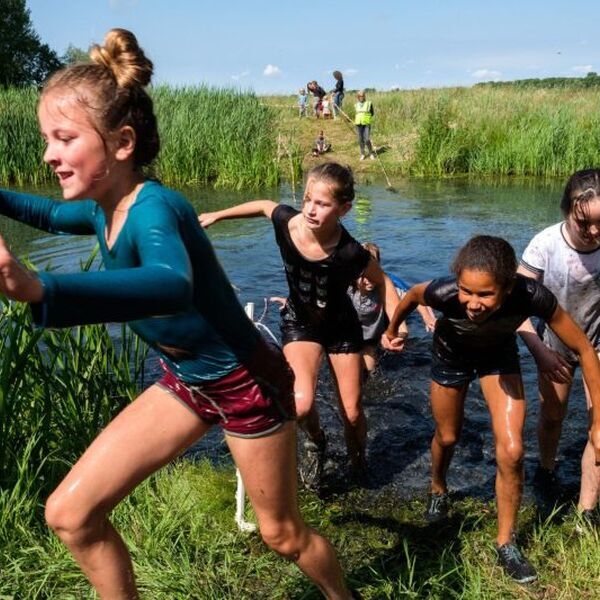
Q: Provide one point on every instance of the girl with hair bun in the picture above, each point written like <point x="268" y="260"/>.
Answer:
<point x="100" y="131"/>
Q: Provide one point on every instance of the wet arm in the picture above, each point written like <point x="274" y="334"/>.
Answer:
<point x="413" y="298"/>
<point x="428" y="317"/>
<point x="254" y="208"/>
<point x="384" y="286"/>
<point x="549" y="363"/>
<point x="572" y="336"/>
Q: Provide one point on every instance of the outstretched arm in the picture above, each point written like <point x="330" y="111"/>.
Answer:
<point x="254" y="208"/>
<point x="551" y="365"/>
<point x="428" y="317"/>
<point x="572" y="336"/>
<point x="384" y="285"/>
<point x="413" y="298"/>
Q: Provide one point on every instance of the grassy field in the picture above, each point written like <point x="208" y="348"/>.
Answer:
<point x="239" y="141"/>
<point x="57" y="391"/>
<point x="179" y="527"/>
<point x="477" y="131"/>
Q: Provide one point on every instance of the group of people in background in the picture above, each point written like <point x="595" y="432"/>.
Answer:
<point x="329" y="105"/>
<point x="325" y="105"/>
<point x="162" y="277"/>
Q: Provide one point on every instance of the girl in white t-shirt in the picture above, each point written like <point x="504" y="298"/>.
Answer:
<point x="565" y="257"/>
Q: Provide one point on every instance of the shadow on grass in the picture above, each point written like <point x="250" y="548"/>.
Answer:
<point x="411" y="557"/>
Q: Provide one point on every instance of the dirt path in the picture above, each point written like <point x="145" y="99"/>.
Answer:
<point x="301" y="133"/>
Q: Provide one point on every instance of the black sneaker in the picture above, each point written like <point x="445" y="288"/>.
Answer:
<point x="547" y="490"/>
<point x="437" y="507"/>
<point x="311" y="464"/>
<point x="515" y="565"/>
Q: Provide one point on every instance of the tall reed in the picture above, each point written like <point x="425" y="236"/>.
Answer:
<point x="211" y="136"/>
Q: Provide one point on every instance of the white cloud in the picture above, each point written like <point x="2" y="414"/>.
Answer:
<point x="486" y="74"/>
<point x="584" y="69"/>
<point x="238" y="76"/>
<point x="350" y="71"/>
<point x="272" y="71"/>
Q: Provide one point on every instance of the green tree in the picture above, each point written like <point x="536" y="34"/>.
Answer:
<point x="73" y="54"/>
<point x="24" y="59"/>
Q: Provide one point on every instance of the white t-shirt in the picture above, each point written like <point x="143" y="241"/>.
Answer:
<point x="574" y="278"/>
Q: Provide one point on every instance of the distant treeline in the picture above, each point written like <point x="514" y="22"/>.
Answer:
<point x="591" y="80"/>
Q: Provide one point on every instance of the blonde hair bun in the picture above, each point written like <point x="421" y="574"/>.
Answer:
<point x="122" y="55"/>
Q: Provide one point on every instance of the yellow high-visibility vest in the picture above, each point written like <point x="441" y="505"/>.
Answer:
<point x="363" y="113"/>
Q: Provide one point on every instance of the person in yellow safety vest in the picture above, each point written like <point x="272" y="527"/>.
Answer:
<point x="363" y="115"/>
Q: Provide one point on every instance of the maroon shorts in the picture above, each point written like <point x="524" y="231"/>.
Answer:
<point x="251" y="401"/>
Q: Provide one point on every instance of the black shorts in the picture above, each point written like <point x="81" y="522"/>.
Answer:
<point x="459" y="371"/>
<point x="339" y="335"/>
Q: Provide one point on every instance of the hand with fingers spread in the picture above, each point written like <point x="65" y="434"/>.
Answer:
<point x="553" y="366"/>
<point x="17" y="282"/>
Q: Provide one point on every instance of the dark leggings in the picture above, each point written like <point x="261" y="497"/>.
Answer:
<point x="364" y="138"/>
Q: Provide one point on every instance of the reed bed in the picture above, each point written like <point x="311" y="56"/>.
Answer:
<point x="210" y="136"/>
<point x="491" y="131"/>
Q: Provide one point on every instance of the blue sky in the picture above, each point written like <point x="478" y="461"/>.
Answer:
<point x="277" y="46"/>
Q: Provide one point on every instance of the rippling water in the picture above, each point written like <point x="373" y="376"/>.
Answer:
<point x="418" y="229"/>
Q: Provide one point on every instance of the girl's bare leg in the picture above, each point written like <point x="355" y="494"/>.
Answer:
<point x="447" y="408"/>
<point x="304" y="359"/>
<point x="347" y="371"/>
<point x="506" y="402"/>
<point x="553" y="408"/>
<point x="146" y="435"/>
<point x="369" y="356"/>
<point x="590" y="472"/>
<point x="268" y="468"/>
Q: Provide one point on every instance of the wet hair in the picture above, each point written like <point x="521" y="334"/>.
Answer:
<point x="488" y="254"/>
<point x="582" y="187"/>
<point x="339" y="177"/>
<point x="111" y="89"/>
<point x="373" y="250"/>
<point x="337" y="75"/>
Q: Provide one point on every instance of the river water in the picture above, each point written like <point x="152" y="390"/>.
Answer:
<point x="418" y="228"/>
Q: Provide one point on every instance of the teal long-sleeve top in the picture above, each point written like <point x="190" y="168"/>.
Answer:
<point x="162" y="277"/>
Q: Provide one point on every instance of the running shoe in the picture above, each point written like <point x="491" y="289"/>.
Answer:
<point x="311" y="464"/>
<point x="547" y="490"/>
<point x="362" y="157"/>
<point x="515" y="565"/>
<point x="438" y="506"/>
<point x="372" y="157"/>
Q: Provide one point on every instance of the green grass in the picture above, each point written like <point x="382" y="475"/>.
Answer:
<point x="477" y="131"/>
<point x="236" y="140"/>
<point x="208" y="135"/>
<point x="59" y="388"/>
<point x="180" y="530"/>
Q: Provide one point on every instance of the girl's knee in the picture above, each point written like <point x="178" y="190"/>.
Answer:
<point x="286" y="538"/>
<point x="509" y="455"/>
<point x="447" y="438"/>
<point x="304" y="403"/>
<point x="68" y="519"/>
